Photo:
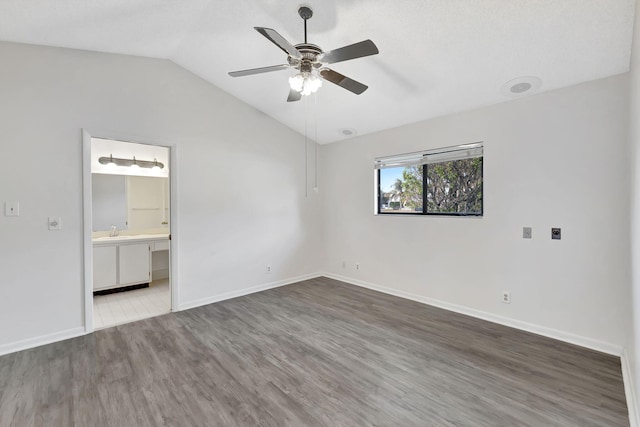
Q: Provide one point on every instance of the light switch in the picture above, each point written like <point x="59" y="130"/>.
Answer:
<point x="55" y="223"/>
<point x="11" y="209"/>
<point x="526" y="232"/>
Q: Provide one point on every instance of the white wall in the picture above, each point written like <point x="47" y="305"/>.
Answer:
<point x="632" y="358"/>
<point x="241" y="201"/>
<point x="558" y="159"/>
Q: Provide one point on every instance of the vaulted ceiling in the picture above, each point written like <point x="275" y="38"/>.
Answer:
<point x="436" y="56"/>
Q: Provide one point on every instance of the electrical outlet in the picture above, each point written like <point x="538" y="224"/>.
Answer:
<point x="506" y="297"/>
<point x="526" y="232"/>
<point x="357" y="266"/>
<point x="268" y="269"/>
<point x="555" y="234"/>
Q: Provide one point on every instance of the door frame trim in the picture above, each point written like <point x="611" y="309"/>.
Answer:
<point x="87" y="206"/>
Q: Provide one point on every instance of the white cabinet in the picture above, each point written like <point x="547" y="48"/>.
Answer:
<point x="121" y="264"/>
<point x="104" y="266"/>
<point x="135" y="264"/>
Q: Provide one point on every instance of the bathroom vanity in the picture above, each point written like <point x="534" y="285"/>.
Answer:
<point x="125" y="260"/>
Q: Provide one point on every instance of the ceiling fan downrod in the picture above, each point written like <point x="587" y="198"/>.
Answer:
<point x="305" y="13"/>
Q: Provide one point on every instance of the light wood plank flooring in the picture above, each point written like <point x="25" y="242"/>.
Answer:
<point x="316" y="353"/>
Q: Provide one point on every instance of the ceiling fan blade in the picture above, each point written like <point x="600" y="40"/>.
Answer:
<point x="343" y="81"/>
<point x="294" y="95"/>
<point x="258" y="70"/>
<point x="279" y="41"/>
<point x="353" y="51"/>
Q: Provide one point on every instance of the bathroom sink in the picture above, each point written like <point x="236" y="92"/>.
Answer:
<point x="107" y="238"/>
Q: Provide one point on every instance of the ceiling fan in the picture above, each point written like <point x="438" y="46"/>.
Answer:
<point x="310" y="60"/>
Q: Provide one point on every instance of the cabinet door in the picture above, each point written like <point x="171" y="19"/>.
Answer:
<point x="104" y="267"/>
<point x="134" y="264"/>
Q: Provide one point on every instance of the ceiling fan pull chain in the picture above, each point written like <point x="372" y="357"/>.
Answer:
<point x="306" y="162"/>
<point x="315" y="146"/>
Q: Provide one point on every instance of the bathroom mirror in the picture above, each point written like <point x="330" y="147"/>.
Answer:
<point x="129" y="202"/>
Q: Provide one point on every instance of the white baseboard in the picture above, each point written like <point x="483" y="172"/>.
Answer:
<point x="629" y="390"/>
<point x="590" y="343"/>
<point x="41" y="340"/>
<point x="246" y="291"/>
<point x="76" y="332"/>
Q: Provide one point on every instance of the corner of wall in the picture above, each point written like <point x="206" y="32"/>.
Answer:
<point x="629" y="390"/>
<point x="631" y="354"/>
<point x="246" y="291"/>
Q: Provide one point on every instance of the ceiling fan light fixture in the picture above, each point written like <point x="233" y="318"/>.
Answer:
<point x="306" y="83"/>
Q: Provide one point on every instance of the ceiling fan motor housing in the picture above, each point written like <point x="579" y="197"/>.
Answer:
<point x="309" y="60"/>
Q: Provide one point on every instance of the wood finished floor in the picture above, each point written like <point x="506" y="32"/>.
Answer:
<point x="319" y="352"/>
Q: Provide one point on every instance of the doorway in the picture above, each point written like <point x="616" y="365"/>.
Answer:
<point x="128" y="212"/>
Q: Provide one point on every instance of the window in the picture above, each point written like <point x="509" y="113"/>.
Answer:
<point x="446" y="181"/>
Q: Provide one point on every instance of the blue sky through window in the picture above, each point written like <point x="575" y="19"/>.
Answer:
<point x="388" y="177"/>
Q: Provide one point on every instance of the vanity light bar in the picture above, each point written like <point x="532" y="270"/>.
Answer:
<point x="131" y="162"/>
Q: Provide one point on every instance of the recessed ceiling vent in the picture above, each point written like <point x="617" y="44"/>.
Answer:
<point x="347" y="132"/>
<point x="521" y="86"/>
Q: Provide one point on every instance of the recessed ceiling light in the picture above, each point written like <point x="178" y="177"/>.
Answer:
<point x="347" y="132"/>
<point x="521" y="86"/>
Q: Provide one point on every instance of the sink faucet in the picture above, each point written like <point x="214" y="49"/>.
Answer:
<point x="114" y="231"/>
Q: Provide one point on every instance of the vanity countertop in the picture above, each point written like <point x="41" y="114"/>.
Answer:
<point x="106" y="240"/>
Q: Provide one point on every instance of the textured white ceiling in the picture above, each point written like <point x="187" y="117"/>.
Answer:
<point x="436" y="56"/>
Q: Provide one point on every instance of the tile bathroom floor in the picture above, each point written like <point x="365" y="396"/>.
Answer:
<point x="123" y="307"/>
